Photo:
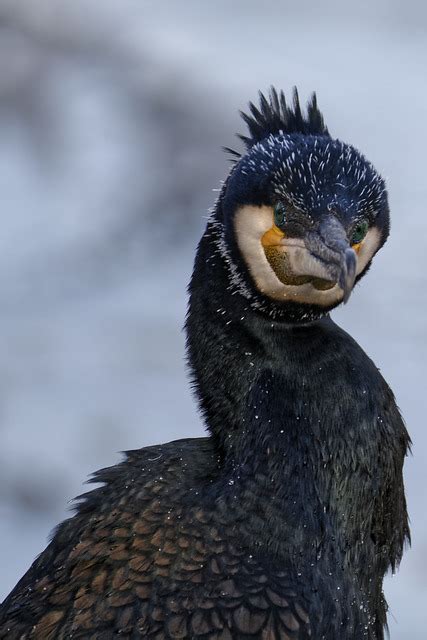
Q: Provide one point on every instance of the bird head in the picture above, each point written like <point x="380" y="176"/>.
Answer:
<point x="302" y="214"/>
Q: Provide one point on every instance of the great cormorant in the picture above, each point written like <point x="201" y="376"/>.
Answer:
<point x="283" y="521"/>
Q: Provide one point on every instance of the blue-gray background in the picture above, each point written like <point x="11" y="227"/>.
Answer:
<point x="112" y="115"/>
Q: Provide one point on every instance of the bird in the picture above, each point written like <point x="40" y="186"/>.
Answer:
<point x="282" y="521"/>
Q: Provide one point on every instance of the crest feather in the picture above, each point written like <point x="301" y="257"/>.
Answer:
<point x="273" y="115"/>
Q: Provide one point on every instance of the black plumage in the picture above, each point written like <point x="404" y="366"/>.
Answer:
<point x="274" y="116"/>
<point x="283" y="521"/>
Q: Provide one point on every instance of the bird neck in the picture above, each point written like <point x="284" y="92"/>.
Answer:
<point x="268" y="392"/>
<point x="248" y="370"/>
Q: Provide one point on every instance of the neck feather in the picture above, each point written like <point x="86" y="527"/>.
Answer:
<point x="268" y="392"/>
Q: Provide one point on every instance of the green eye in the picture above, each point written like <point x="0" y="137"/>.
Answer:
<point x="359" y="231"/>
<point x="279" y="214"/>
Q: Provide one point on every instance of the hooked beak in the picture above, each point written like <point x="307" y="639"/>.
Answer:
<point x="329" y="245"/>
<point x="348" y="273"/>
<point x="320" y="255"/>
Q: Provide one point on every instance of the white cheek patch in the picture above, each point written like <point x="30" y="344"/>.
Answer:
<point x="368" y="249"/>
<point x="251" y="223"/>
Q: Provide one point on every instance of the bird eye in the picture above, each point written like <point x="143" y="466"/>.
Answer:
<point x="279" y="214"/>
<point x="359" y="231"/>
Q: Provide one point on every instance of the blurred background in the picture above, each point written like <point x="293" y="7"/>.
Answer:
<point x="112" y="115"/>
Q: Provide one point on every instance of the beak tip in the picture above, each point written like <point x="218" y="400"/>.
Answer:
<point x="348" y="273"/>
<point x="346" y="296"/>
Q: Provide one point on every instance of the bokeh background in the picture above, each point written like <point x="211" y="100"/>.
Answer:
<point x="112" y="115"/>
